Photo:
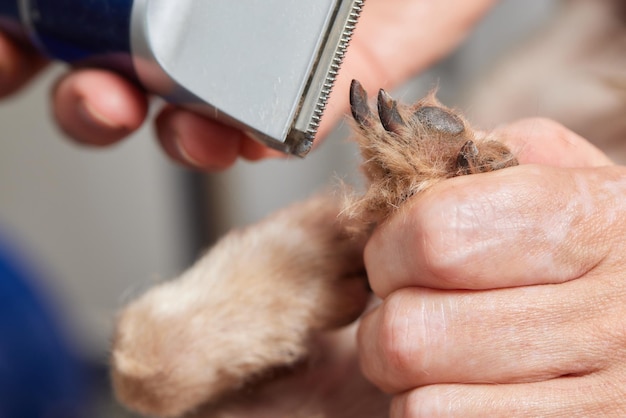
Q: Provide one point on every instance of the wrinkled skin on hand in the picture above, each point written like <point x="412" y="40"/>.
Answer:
<point x="504" y="293"/>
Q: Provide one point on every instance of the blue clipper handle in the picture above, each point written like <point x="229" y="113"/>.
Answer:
<point x="72" y="30"/>
<point x="9" y="10"/>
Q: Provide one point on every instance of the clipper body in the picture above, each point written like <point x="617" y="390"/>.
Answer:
<point x="264" y="66"/>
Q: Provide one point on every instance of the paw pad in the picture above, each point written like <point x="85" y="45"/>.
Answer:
<point x="408" y="148"/>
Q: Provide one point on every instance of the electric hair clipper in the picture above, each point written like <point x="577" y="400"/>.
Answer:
<point x="263" y="66"/>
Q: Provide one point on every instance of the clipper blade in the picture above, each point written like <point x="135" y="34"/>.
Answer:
<point x="330" y="57"/>
<point x="264" y="66"/>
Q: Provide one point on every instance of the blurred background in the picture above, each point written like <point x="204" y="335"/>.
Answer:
<point x="95" y="227"/>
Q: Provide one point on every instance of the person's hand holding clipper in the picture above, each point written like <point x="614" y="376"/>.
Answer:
<point x="393" y="40"/>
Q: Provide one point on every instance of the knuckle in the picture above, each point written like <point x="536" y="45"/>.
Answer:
<point x="423" y="402"/>
<point x="439" y="260"/>
<point x="399" y="407"/>
<point x="367" y="336"/>
<point x="443" y="235"/>
<point x="408" y="406"/>
<point x="383" y="352"/>
<point x="395" y="341"/>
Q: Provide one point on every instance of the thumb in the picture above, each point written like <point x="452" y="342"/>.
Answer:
<point x="543" y="141"/>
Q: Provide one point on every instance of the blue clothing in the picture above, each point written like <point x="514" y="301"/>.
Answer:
<point x="40" y="377"/>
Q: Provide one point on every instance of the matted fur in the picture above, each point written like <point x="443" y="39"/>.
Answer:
<point x="209" y="342"/>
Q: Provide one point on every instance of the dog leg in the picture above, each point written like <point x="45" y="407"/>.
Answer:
<point x="250" y="305"/>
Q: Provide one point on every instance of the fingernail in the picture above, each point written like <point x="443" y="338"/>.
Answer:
<point x="182" y="147"/>
<point x="91" y="115"/>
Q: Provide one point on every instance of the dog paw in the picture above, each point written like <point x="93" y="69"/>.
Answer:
<point x="407" y="149"/>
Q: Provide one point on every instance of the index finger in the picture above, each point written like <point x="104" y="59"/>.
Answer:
<point x="512" y="227"/>
<point x="18" y="64"/>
